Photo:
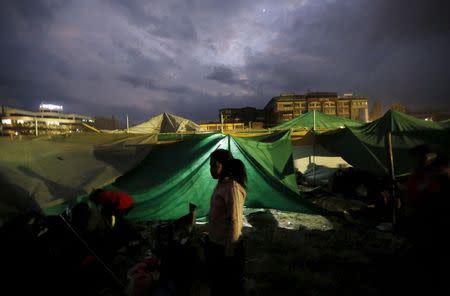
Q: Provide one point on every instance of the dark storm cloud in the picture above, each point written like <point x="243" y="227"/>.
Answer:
<point x="151" y="85"/>
<point x="24" y="63"/>
<point x="389" y="50"/>
<point x="223" y="74"/>
<point x="111" y="57"/>
<point x="170" y="22"/>
<point x="138" y="82"/>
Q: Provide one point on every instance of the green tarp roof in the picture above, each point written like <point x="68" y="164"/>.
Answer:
<point x="318" y="120"/>
<point x="47" y="170"/>
<point x="54" y="172"/>
<point x="445" y="123"/>
<point x="364" y="147"/>
<point x="163" y="189"/>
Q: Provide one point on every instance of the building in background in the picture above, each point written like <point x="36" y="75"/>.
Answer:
<point x="290" y="105"/>
<point x="217" y="126"/>
<point x="107" y="123"/>
<point x="50" y="119"/>
<point x="251" y="117"/>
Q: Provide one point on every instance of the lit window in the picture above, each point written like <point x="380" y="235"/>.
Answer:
<point x="20" y="121"/>
<point x="6" y="121"/>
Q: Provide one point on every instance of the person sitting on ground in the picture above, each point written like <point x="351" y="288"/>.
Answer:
<point x="114" y="206"/>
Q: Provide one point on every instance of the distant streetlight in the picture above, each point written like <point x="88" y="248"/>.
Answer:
<point x="36" y="126"/>
<point x="128" y="125"/>
<point x="221" y="122"/>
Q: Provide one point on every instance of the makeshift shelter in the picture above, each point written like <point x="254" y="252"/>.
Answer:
<point x="51" y="172"/>
<point x="313" y="161"/>
<point x="316" y="120"/>
<point x="40" y="172"/>
<point x="310" y="158"/>
<point x="165" y="123"/>
<point x="445" y="123"/>
<point x="365" y="147"/>
<point x="163" y="190"/>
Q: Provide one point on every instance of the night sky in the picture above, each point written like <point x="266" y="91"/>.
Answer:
<point x="100" y="57"/>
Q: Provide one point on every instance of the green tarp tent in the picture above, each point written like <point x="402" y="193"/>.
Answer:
<point x="165" y="123"/>
<point x="48" y="170"/>
<point x="173" y="175"/>
<point x="54" y="172"/>
<point x="364" y="147"/>
<point x="445" y="123"/>
<point x="317" y="121"/>
<point x="315" y="163"/>
<point x="310" y="158"/>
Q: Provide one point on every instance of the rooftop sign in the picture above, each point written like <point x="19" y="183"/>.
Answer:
<point x="50" y="107"/>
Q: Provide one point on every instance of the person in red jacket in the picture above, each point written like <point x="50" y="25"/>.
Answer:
<point x="114" y="204"/>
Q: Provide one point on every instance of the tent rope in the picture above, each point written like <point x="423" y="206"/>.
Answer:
<point x="111" y="273"/>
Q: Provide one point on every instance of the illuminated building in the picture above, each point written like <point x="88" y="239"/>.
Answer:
<point x="290" y="105"/>
<point x="49" y="120"/>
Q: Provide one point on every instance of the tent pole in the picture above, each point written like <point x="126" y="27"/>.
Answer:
<point x="229" y="144"/>
<point x="314" y="148"/>
<point x="314" y="120"/>
<point x="390" y="157"/>
<point x="314" y="160"/>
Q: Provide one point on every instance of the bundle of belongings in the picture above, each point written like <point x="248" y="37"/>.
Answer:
<point x="143" y="277"/>
<point x="168" y="268"/>
<point x="76" y="253"/>
<point x="102" y="225"/>
<point x="374" y="191"/>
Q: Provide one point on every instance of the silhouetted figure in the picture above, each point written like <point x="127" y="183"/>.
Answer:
<point x="225" y="250"/>
<point x="178" y="254"/>
<point x="425" y="219"/>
